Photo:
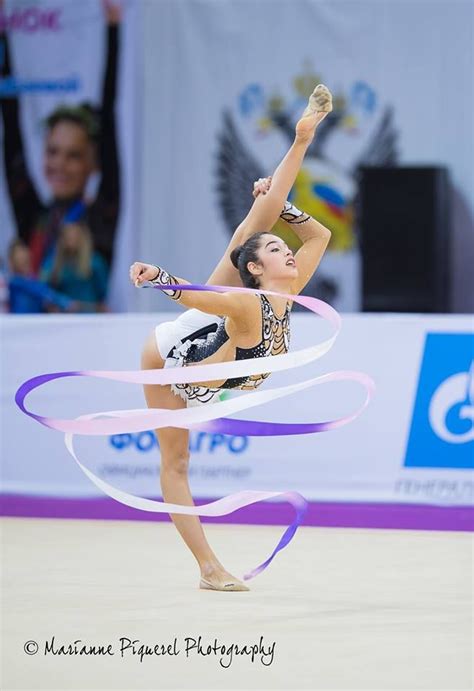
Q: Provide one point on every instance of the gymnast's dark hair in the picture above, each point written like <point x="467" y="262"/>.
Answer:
<point x="243" y="254"/>
<point x="83" y="115"/>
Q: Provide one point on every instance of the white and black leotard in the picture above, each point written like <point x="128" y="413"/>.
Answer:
<point x="204" y="342"/>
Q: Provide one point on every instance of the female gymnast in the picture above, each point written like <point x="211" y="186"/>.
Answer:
<point x="248" y="325"/>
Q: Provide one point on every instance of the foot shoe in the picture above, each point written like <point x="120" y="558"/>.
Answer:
<point x="320" y="101"/>
<point x="232" y="586"/>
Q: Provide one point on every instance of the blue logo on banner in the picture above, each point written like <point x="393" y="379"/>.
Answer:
<point x="442" y="428"/>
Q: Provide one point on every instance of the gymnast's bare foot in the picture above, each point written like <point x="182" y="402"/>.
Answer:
<point x="319" y="105"/>
<point x="216" y="578"/>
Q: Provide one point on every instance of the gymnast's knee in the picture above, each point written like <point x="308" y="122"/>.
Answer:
<point x="176" y="463"/>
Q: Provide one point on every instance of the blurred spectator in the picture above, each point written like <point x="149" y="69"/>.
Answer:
<point x="26" y="294"/>
<point x="79" y="141"/>
<point x="76" y="270"/>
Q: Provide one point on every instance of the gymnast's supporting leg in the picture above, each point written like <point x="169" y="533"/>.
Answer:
<point x="174" y="450"/>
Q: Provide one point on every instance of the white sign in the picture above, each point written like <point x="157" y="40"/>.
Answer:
<point x="414" y="443"/>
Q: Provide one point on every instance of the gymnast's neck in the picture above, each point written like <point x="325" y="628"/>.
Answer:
<point x="277" y="286"/>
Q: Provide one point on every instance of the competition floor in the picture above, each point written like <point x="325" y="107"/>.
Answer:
<point x="346" y="608"/>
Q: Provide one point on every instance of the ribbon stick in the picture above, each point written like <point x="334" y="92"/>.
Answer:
<point x="209" y="417"/>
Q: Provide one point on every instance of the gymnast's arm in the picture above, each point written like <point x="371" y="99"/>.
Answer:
<point x="240" y="308"/>
<point x="225" y="272"/>
<point x="109" y="190"/>
<point x="314" y="236"/>
<point x="25" y="201"/>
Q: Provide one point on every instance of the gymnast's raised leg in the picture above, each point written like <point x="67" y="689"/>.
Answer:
<point x="267" y="208"/>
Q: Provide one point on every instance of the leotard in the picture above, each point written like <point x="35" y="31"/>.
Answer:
<point x="206" y="341"/>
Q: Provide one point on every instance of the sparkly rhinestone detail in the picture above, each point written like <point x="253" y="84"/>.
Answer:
<point x="275" y="341"/>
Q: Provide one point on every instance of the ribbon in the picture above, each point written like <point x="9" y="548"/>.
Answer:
<point x="208" y="417"/>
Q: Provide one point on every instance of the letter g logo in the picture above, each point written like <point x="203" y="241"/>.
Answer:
<point x="442" y="425"/>
<point x="454" y="400"/>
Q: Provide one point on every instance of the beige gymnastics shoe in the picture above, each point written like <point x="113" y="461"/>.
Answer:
<point x="320" y="101"/>
<point x="231" y="586"/>
<point x="319" y="105"/>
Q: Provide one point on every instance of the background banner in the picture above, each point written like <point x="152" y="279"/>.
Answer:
<point x="195" y="126"/>
<point x="221" y="101"/>
<point x="414" y="443"/>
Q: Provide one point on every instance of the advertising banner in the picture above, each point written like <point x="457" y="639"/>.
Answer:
<point x="413" y="444"/>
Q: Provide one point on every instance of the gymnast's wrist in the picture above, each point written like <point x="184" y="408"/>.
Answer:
<point x="291" y="214"/>
<point x="163" y="278"/>
<point x="154" y="280"/>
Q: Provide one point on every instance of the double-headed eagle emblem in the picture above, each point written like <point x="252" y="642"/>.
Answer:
<point x="325" y="188"/>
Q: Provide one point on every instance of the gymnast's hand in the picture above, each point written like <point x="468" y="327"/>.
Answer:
<point x="141" y="272"/>
<point x="261" y="186"/>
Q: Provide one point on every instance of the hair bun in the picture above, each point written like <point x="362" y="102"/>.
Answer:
<point x="235" y="256"/>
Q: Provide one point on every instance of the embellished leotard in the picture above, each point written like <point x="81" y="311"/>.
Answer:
<point x="205" y="342"/>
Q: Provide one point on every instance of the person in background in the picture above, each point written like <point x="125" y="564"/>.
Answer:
<point x="27" y="295"/>
<point x="79" y="140"/>
<point x="76" y="270"/>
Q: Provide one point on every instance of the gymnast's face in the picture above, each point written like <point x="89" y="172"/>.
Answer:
<point x="276" y="260"/>
<point x="69" y="159"/>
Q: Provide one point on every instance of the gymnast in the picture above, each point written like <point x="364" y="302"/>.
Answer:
<point x="247" y="326"/>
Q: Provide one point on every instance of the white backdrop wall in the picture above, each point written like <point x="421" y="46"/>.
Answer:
<point x="184" y="63"/>
<point x="204" y="57"/>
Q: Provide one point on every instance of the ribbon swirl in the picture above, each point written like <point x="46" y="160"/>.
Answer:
<point x="209" y="417"/>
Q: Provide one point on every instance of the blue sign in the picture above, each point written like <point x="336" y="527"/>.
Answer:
<point x="442" y="427"/>
<point x="198" y="442"/>
<point x="11" y="86"/>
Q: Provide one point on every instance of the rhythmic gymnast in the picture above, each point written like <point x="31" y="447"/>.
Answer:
<point x="248" y="325"/>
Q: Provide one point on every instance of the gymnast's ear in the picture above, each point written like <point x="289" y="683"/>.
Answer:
<point x="254" y="269"/>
